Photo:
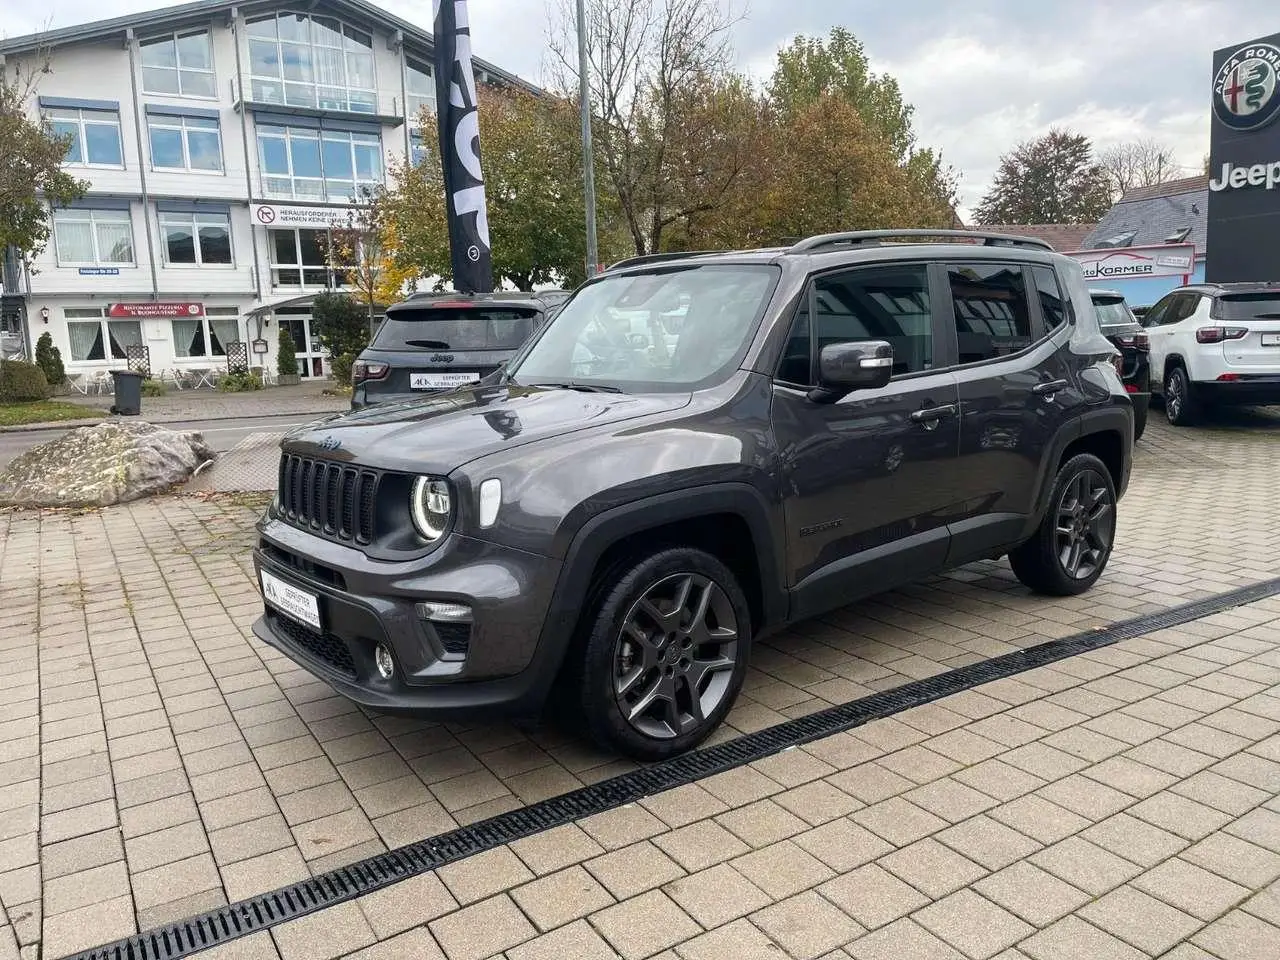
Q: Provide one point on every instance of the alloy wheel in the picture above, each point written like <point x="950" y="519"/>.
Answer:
<point x="1086" y="525"/>
<point x="675" y="656"/>
<point x="1174" y="397"/>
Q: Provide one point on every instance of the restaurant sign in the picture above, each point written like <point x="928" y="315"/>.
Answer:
<point x="155" y="310"/>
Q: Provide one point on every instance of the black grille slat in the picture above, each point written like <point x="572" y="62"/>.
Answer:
<point x="348" y="527"/>
<point x="322" y="646"/>
<point x="336" y="501"/>
<point x="367" y="506"/>
<point x="333" y="505"/>
<point x="454" y="637"/>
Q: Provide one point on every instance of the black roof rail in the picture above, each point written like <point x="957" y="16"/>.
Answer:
<point x="660" y="257"/>
<point x="874" y="237"/>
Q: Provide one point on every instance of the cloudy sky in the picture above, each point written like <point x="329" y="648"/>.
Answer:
<point x="982" y="74"/>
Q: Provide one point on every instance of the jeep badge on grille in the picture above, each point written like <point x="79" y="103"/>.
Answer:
<point x="331" y="443"/>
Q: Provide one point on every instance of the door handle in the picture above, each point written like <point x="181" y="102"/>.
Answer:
<point x="1050" y="388"/>
<point x="933" y="414"/>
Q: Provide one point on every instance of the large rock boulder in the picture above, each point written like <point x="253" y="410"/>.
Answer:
<point x="111" y="462"/>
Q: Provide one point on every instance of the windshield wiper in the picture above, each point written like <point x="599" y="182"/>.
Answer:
<point x="430" y="344"/>
<point x="581" y="387"/>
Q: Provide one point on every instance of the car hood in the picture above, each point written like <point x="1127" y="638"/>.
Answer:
<point x="438" y="434"/>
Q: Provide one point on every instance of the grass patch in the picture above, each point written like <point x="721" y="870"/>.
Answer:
<point x="44" y="411"/>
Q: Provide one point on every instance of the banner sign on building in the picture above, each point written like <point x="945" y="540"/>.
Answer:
<point x="1128" y="263"/>
<point x="149" y="311"/>
<point x="1244" y="164"/>
<point x="291" y="215"/>
<point x="460" y="150"/>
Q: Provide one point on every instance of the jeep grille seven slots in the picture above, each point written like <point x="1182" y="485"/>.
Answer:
<point x="696" y="451"/>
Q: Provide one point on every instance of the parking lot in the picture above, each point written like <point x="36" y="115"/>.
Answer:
<point x="157" y="762"/>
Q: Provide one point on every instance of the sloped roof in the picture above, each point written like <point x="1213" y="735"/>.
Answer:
<point x="1063" y="237"/>
<point x="1155" y="213"/>
<point x="204" y="9"/>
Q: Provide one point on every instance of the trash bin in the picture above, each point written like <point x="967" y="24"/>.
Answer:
<point x="128" y="387"/>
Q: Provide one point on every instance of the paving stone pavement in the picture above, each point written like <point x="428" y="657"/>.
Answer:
<point x="156" y="761"/>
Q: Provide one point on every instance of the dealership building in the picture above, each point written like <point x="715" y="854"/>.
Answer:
<point x="220" y="141"/>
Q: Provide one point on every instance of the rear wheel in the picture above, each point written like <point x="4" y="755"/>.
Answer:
<point x="1069" y="551"/>
<point x="1181" y="405"/>
<point x="666" y="653"/>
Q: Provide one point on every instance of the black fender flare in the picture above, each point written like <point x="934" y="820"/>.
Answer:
<point x="1108" y="418"/>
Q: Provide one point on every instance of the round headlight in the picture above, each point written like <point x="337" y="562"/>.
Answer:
<point x="430" y="507"/>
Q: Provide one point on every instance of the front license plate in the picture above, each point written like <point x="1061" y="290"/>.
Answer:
<point x="292" y="602"/>
<point x="434" y="381"/>
<point x="1271" y="339"/>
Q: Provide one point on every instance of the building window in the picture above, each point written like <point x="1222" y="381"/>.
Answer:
<point x="93" y="337"/>
<point x="206" y="336"/>
<point x="418" y="149"/>
<point x="303" y="164"/>
<point x="185" y="143"/>
<point x="179" y="65"/>
<point x="93" y="237"/>
<point x="309" y="61"/>
<point x="95" y="136"/>
<point x="202" y="239"/>
<point x="421" y="91"/>
<point x="298" y="259"/>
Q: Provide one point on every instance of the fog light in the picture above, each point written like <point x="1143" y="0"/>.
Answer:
<point x="382" y="657"/>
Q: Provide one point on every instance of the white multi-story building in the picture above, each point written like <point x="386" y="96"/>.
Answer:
<point x="220" y="139"/>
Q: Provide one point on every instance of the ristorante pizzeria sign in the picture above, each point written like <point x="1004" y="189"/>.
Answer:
<point x="151" y="310"/>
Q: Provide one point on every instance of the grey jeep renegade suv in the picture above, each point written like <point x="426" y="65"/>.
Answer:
<point x="697" y="450"/>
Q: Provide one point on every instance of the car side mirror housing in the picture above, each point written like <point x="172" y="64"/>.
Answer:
<point x="845" y="367"/>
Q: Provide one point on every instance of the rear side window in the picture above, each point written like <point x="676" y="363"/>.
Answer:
<point x="452" y="328"/>
<point x="1112" y="311"/>
<point x="1249" y="306"/>
<point x="888" y="303"/>
<point x="1053" y="305"/>
<point x="991" y="310"/>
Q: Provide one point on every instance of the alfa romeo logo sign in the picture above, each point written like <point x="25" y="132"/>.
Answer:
<point x="1245" y="94"/>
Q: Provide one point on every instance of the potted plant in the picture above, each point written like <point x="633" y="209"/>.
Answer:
<point x="287" y="362"/>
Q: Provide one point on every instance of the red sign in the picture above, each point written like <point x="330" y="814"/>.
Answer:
<point x="147" y="310"/>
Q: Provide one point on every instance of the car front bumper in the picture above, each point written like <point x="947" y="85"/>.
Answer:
<point x="500" y="662"/>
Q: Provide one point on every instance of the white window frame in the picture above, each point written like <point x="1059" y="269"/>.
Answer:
<point x="206" y="330"/>
<point x="333" y="278"/>
<point x="327" y="193"/>
<point x="211" y="71"/>
<point x="166" y="121"/>
<point x="72" y="315"/>
<point x="349" y="46"/>
<point x="101" y="118"/>
<point x="93" y="218"/>
<point x="194" y="221"/>
<point x="414" y="102"/>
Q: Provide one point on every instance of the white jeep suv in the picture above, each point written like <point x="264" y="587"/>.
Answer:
<point x="1215" y="344"/>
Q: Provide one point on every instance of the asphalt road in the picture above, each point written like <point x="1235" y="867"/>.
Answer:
<point x="222" y="435"/>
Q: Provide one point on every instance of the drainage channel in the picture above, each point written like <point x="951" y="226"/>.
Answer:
<point x="241" y="919"/>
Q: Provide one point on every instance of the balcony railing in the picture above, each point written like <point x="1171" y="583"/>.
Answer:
<point x="308" y="100"/>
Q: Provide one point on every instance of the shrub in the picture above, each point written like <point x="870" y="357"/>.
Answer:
<point x="239" y="383"/>
<point x="153" y="388"/>
<point x="340" y="368"/>
<point x="49" y="359"/>
<point x="340" y="323"/>
<point x="287" y="361"/>
<point x="22" y="382"/>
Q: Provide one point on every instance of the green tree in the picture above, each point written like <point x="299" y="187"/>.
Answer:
<point x="342" y="326"/>
<point x="31" y="174"/>
<point x="49" y="359"/>
<point x="811" y="68"/>
<point x="1052" y="179"/>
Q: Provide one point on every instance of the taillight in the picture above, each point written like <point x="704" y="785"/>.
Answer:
<point x="363" y="370"/>
<point x="1219" y="334"/>
<point x="1137" y="341"/>
<point x="1131" y="388"/>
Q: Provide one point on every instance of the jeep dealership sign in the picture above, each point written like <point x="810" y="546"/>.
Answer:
<point x="1127" y="263"/>
<point x="1244" y="163"/>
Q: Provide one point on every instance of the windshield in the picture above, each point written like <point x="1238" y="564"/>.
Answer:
<point x="674" y="328"/>
<point x="450" y="328"/>
<point x="1249" y="306"/>
<point x="1112" y="312"/>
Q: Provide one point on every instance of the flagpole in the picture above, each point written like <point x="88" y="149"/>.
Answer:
<point x="588" y="165"/>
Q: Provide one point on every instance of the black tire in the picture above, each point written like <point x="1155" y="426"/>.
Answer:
<point x="1139" y="423"/>
<point x="1181" y="405"/>
<point x="1044" y="562"/>
<point x="673" y="653"/>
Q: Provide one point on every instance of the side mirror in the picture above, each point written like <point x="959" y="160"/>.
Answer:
<point x="845" y="367"/>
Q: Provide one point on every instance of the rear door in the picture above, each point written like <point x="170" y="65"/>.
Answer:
<point x="444" y="345"/>
<point x="1251" y="330"/>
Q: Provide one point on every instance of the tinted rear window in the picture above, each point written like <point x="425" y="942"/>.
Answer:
<point x="1112" y="311"/>
<point x="455" y="329"/>
<point x="1245" y="306"/>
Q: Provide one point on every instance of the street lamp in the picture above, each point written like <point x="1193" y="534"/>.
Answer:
<point x="588" y="166"/>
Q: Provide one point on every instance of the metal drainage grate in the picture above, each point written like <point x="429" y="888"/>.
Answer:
<point x="240" y="919"/>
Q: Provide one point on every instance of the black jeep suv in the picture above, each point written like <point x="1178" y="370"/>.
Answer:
<point x="697" y="450"/>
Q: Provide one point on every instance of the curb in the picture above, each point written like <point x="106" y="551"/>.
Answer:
<point x="88" y="422"/>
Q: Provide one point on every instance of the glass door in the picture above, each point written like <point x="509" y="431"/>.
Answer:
<point x="310" y="352"/>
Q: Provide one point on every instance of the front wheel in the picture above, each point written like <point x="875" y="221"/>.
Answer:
<point x="1070" y="549"/>
<point x="666" y="653"/>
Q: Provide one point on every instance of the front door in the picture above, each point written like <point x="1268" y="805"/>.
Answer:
<point x="1017" y="392"/>
<point x="310" y="353"/>
<point x="1162" y="326"/>
<point x="865" y="479"/>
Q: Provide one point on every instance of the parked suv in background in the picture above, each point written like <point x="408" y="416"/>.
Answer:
<point x="832" y="420"/>
<point x="1215" y="344"/>
<point x="434" y="342"/>
<point x="1122" y="328"/>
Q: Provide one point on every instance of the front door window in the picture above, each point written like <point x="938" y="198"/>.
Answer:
<point x="309" y="350"/>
